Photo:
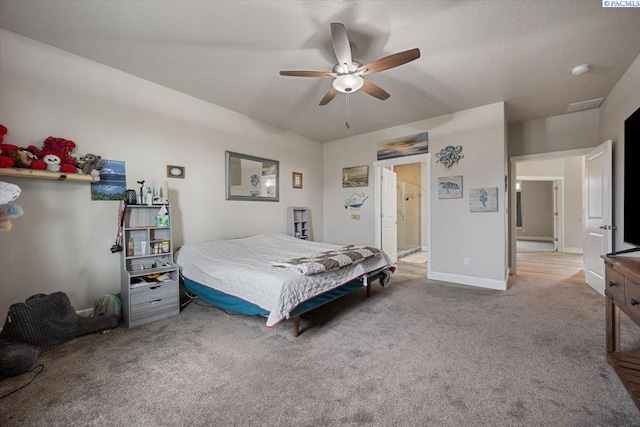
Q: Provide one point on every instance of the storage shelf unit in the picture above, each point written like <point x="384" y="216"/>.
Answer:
<point x="149" y="283"/>
<point x="299" y="222"/>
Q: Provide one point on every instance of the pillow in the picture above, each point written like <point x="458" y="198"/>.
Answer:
<point x="16" y="358"/>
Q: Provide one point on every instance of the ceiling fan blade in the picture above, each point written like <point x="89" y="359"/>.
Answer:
<point x="307" y="73"/>
<point x="341" y="45"/>
<point x="390" y="61"/>
<point x="375" y="90"/>
<point x="329" y="96"/>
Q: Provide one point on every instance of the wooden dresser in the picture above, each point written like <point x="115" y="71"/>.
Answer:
<point x="622" y="289"/>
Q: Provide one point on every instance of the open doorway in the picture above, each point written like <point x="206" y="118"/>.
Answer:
<point x="408" y="196"/>
<point x="538" y="212"/>
<point x="547" y="225"/>
<point x="413" y="227"/>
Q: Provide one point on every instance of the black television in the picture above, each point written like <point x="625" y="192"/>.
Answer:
<point x="631" y="235"/>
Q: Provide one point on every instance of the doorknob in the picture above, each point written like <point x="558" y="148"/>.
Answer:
<point x="607" y="227"/>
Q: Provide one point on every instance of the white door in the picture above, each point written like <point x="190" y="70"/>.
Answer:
<point x="598" y="206"/>
<point x="388" y="213"/>
<point x="556" y="215"/>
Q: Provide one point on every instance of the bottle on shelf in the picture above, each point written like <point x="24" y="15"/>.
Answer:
<point x="130" y="247"/>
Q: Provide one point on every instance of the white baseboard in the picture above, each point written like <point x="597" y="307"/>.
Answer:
<point x="499" y="285"/>
<point x="535" y="238"/>
<point x="573" y="250"/>
<point x="425" y="248"/>
<point x="84" y="313"/>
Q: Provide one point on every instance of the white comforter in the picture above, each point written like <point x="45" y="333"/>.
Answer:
<point x="241" y="267"/>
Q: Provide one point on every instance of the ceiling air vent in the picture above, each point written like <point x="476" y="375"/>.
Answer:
<point x="584" y="105"/>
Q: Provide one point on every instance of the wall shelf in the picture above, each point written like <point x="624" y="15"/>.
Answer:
<point x="59" y="176"/>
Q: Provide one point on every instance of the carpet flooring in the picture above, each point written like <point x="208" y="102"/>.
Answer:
<point x="417" y="353"/>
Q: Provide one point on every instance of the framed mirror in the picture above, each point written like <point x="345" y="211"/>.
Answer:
<point x="252" y="178"/>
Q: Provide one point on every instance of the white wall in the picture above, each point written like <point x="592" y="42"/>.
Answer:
<point x="573" y="220"/>
<point x="456" y="232"/>
<point x="621" y="102"/>
<point x="62" y="241"/>
<point x="557" y="133"/>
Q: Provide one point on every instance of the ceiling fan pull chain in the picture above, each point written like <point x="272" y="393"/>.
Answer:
<point x="347" y="122"/>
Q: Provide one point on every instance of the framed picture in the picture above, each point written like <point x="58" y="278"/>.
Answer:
<point x="297" y="180"/>
<point x="175" y="171"/>
<point x="407" y="146"/>
<point x="483" y="199"/>
<point x="450" y="187"/>
<point x="357" y="176"/>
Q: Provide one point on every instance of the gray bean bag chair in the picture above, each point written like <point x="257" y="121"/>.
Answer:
<point x="39" y="324"/>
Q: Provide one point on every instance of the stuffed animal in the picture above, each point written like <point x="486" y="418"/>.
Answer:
<point x="55" y="163"/>
<point x="6" y="159"/>
<point x="8" y="193"/>
<point x="63" y="147"/>
<point x="90" y="164"/>
<point x="26" y="159"/>
<point x="7" y="212"/>
<point x="3" y="131"/>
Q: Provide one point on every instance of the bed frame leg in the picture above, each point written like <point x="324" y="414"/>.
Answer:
<point x="296" y="326"/>
<point x="368" y="289"/>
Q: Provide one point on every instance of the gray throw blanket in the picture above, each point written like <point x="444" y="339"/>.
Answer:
<point x="329" y="260"/>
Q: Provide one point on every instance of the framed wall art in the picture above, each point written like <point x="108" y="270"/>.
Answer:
<point x="355" y="176"/>
<point x="407" y="146"/>
<point x="296" y="180"/>
<point x="450" y="187"/>
<point x="174" y="171"/>
<point x="483" y="199"/>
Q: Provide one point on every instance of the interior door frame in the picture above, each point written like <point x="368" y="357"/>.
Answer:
<point x="425" y="203"/>
<point x="513" y="255"/>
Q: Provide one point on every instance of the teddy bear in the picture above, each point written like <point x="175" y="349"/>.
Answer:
<point x="3" y="131"/>
<point x="55" y="162"/>
<point x="6" y="159"/>
<point x="26" y="159"/>
<point x="62" y="147"/>
<point x="90" y="164"/>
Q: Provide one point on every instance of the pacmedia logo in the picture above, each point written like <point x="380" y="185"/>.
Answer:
<point x="620" y="3"/>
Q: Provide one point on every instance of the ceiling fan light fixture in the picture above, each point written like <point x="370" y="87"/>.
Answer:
<point x="348" y="83"/>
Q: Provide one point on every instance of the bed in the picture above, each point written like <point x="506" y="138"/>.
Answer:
<point x="278" y="276"/>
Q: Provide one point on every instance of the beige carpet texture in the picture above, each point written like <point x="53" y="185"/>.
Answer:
<point x="418" y="353"/>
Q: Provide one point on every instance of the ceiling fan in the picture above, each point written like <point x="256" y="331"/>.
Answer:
<point x="348" y="73"/>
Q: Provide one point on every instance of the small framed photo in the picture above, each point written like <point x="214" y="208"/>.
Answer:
<point x="297" y="180"/>
<point x="175" y="171"/>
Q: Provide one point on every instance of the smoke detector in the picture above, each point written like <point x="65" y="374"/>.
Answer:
<point x="580" y="69"/>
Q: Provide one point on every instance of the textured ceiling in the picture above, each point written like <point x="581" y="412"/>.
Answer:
<point x="230" y="52"/>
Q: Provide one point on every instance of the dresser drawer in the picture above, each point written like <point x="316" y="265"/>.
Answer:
<point x="614" y="285"/>
<point x="632" y="306"/>
<point x="155" y="309"/>
<point x="151" y="293"/>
